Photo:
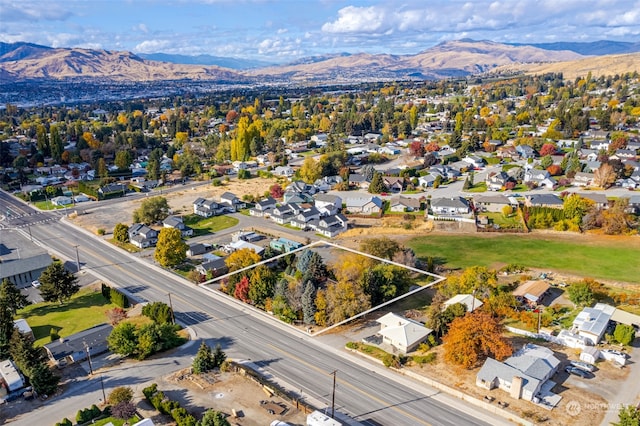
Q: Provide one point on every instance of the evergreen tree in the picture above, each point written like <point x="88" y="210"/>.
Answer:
<point x="377" y="184"/>
<point x="308" y="303"/>
<point x="219" y="357"/>
<point x="6" y="330"/>
<point x="204" y="360"/>
<point x="11" y="297"/>
<point x="58" y="284"/>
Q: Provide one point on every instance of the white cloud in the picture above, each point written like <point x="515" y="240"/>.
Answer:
<point x="152" y="46"/>
<point x="352" y="19"/>
<point x="141" y="27"/>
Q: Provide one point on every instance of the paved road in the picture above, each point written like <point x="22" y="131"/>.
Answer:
<point x="368" y="393"/>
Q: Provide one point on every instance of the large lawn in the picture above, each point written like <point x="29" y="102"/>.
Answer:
<point x="85" y="309"/>
<point x="590" y="256"/>
<point x="209" y="225"/>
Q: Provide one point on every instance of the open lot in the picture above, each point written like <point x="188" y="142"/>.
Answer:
<point x="599" y="257"/>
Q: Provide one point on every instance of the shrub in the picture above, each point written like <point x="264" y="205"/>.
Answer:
<point x="424" y="359"/>
<point x="123" y="410"/>
<point x="158" y="312"/>
<point x="149" y="391"/>
<point x="118" y="298"/>
<point x="53" y="334"/>
<point x="120" y="394"/>
<point x="65" y="422"/>
<point x="106" y="291"/>
<point x="100" y="231"/>
<point x="216" y="182"/>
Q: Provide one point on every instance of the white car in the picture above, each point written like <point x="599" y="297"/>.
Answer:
<point x="583" y="366"/>
<point x="35" y="283"/>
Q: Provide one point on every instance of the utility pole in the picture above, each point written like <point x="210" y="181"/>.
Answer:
<point x="104" y="397"/>
<point x="86" y="348"/>
<point x="173" y="318"/>
<point x="333" y="395"/>
<point x="77" y="259"/>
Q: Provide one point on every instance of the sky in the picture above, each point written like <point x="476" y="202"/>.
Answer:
<point x="280" y="31"/>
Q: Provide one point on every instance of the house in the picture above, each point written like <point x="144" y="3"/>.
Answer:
<point x="213" y="267"/>
<point x="592" y="323"/>
<point x="450" y="206"/>
<point x="112" y="190"/>
<point x="535" y="175"/>
<point x="62" y="200"/>
<point x="427" y="181"/>
<point x="493" y="203"/>
<point x="468" y="300"/>
<point x="543" y="200"/>
<point x="404" y="335"/>
<point x="304" y="217"/>
<point x="21" y="261"/>
<point x="327" y="183"/>
<point x="599" y="200"/>
<point x="10" y="376"/>
<point x="531" y="292"/>
<point x="330" y="226"/>
<point x="404" y="204"/>
<point x="23" y="327"/>
<point x="176" y="222"/>
<point x="239" y="245"/>
<point x="285" y="171"/>
<point x="497" y="181"/>
<point x="263" y="207"/>
<point x="393" y="183"/>
<point x="327" y="204"/>
<point x="634" y="204"/>
<point x="232" y="202"/>
<point x="207" y="208"/>
<point x="523" y="375"/>
<point x="283" y="214"/>
<point x="284" y="245"/>
<point x="474" y="161"/>
<point x="525" y="152"/>
<point x="583" y="179"/>
<point x="75" y="348"/>
<point x="248" y="236"/>
<point x="358" y="181"/>
<point x="299" y="192"/>
<point x="142" y="236"/>
<point x="198" y="249"/>
<point x="364" y="205"/>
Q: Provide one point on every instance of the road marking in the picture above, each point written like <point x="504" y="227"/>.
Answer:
<point x="385" y="404"/>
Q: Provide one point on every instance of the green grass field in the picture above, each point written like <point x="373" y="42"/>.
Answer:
<point x="85" y="309"/>
<point x="209" y="225"/>
<point x="609" y="259"/>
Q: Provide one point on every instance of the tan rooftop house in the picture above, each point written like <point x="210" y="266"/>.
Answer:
<point x="531" y="292"/>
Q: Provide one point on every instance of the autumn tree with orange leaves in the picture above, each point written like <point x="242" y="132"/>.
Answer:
<point x="474" y="337"/>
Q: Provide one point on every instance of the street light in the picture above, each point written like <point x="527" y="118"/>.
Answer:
<point x="333" y="395"/>
<point x="77" y="259"/>
<point x="173" y="318"/>
<point x="86" y="348"/>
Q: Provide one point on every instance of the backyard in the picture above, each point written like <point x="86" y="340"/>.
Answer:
<point x="85" y="309"/>
<point x="209" y="225"/>
<point x="596" y="256"/>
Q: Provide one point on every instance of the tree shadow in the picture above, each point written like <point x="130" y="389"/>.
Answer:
<point x="192" y="317"/>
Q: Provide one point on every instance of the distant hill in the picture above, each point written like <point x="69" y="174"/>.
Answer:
<point x="232" y="63"/>
<point x="28" y="61"/>
<point x="595" y="48"/>
<point x="449" y="59"/>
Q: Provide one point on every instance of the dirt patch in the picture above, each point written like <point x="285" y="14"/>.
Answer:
<point x="227" y="392"/>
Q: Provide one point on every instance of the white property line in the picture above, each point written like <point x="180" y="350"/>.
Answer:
<point x="438" y="278"/>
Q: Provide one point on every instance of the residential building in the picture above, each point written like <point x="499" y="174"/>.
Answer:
<point x="198" y="249"/>
<point x="450" y="206"/>
<point x="304" y="217"/>
<point x="283" y="214"/>
<point x="75" y="348"/>
<point x="592" y="323"/>
<point x="531" y="292"/>
<point x="493" y="203"/>
<point x="402" y="334"/>
<point x="21" y="261"/>
<point x="213" y="267"/>
<point x="142" y="236"/>
<point x="284" y="245"/>
<point x="404" y="204"/>
<point x="23" y="327"/>
<point x="583" y="179"/>
<point x="208" y="208"/>
<point x="329" y="226"/>
<point x="469" y="300"/>
<point x="263" y="207"/>
<point x="525" y="375"/>
<point x="364" y="205"/>
<point x="10" y="376"/>
<point x="525" y="151"/>
<point x="394" y="184"/>
<point x="327" y="204"/>
<point x="176" y="222"/>
<point x="234" y="203"/>
<point x="543" y="200"/>
<point x="285" y="171"/>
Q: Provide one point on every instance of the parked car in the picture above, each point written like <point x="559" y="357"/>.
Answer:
<point x="583" y="366"/>
<point x="35" y="283"/>
<point x="578" y="372"/>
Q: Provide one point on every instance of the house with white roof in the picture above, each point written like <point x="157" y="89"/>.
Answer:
<point x="364" y="205"/>
<point x="592" y="323"/>
<point x="466" y="299"/>
<point x="402" y="334"/>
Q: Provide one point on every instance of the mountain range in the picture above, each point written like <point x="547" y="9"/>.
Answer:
<point x="28" y="62"/>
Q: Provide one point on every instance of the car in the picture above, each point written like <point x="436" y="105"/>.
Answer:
<point x="577" y="372"/>
<point x="583" y="366"/>
<point x="35" y="283"/>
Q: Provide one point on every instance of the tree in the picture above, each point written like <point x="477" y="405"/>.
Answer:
<point x="123" y="339"/>
<point x="624" y="334"/>
<point x="58" y="284"/>
<point x="219" y="357"/>
<point x="7" y="328"/>
<point x="158" y="312"/>
<point x="416" y="148"/>
<point x="262" y="283"/>
<point x="628" y="416"/>
<point x="213" y="418"/>
<point x="344" y="300"/>
<point x="546" y="161"/>
<point x="377" y="184"/>
<point x="42" y="379"/>
<point x="11" y="297"/>
<point x="368" y="171"/>
<point x="308" y="303"/>
<point x="241" y="292"/>
<point x="23" y="353"/>
<point x="203" y="361"/>
<point x="123" y="160"/>
<point x="383" y="247"/>
<point x="310" y="170"/>
<point x="547" y="149"/>
<point x="152" y="210"/>
<point x="241" y="259"/>
<point x="170" y="249"/>
<point x="123" y="410"/>
<point x="116" y="315"/>
<point x="120" y="394"/>
<point x="276" y="191"/>
<point x="121" y="233"/>
<point x="581" y="294"/>
<point x="473" y="337"/>
<point x="604" y="176"/>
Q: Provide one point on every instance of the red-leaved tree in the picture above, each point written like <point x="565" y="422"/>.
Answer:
<point x="242" y="290"/>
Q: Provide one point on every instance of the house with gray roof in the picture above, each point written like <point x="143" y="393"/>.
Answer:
<point x="543" y="200"/>
<point x="327" y="204"/>
<point x="404" y="204"/>
<point x="282" y="214"/>
<point x="176" y="222"/>
<point x="232" y="201"/>
<point x="402" y="335"/>
<point x="329" y="226"/>
<point x="364" y="205"/>
<point x="263" y="207"/>
<point x="74" y="348"/>
<point x="142" y="236"/>
<point x="21" y="261"/>
<point x="524" y="375"/>
<point x="592" y="323"/>
<point x="207" y="208"/>
<point x="450" y="206"/>
<point x="493" y="203"/>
